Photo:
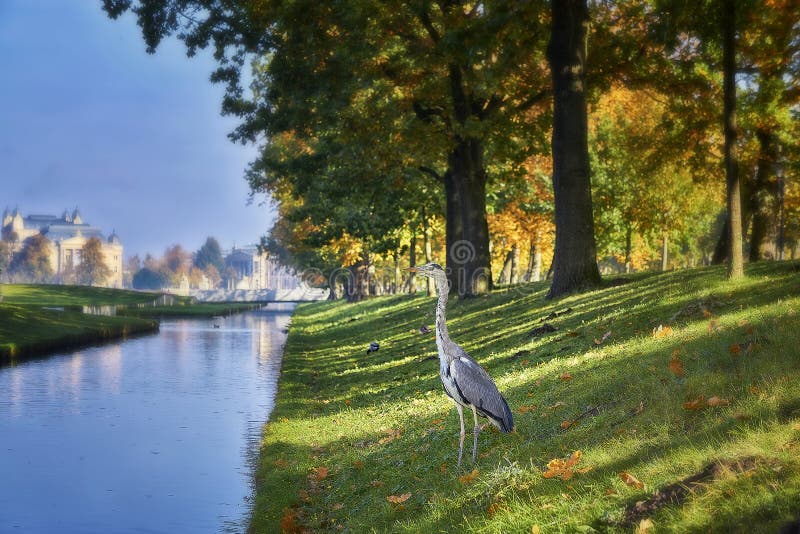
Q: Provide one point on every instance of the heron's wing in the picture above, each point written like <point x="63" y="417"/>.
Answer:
<point x="475" y="385"/>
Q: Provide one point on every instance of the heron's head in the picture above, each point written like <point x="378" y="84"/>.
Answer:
<point x="428" y="269"/>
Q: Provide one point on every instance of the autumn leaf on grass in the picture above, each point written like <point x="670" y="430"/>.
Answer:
<point x="376" y="483"/>
<point x="469" y="477"/>
<point x="735" y="349"/>
<point x="566" y="424"/>
<point x="565" y="376"/>
<point x="696" y="404"/>
<point x="600" y="341"/>
<point x="676" y="366"/>
<point x="281" y="463"/>
<point x="631" y="480"/>
<point x="496" y="507"/>
<point x="391" y="435"/>
<point x="561" y="468"/>
<point x="288" y="522"/>
<point x="716" y="401"/>
<point x="526" y="409"/>
<point x="661" y="331"/>
<point x="348" y="402"/>
<point x="319" y="473"/>
<point x="337" y="506"/>
<point x="398" y="499"/>
<point x="358" y="464"/>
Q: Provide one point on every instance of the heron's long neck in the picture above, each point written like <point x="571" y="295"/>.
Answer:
<point x="441" y="307"/>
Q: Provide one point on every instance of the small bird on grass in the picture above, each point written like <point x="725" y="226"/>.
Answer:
<point x="373" y="347"/>
<point x="464" y="380"/>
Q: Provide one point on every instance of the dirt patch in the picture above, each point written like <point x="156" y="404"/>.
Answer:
<point x="679" y="492"/>
<point x="546" y="328"/>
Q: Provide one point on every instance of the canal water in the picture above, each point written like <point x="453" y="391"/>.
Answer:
<point x="150" y="435"/>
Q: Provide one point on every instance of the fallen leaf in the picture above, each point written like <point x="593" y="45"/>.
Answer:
<point x="573" y="334"/>
<point x="706" y="313"/>
<point x="443" y="468"/>
<point x="716" y="401"/>
<point x="631" y="480"/>
<point x="676" y="366"/>
<point x="469" y="477"/>
<point x="281" y="463"/>
<point x="348" y="402"/>
<point x="559" y="404"/>
<point x="611" y="491"/>
<point x="735" y="349"/>
<point x="639" y="409"/>
<point x="645" y="525"/>
<point x="661" y="331"/>
<point x="526" y="409"/>
<point x="288" y="522"/>
<point x="337" y="506"/>
<point x="696" y="404"/>
<point x="565" y="376"/>
<point x="563" y="468"/>
<point x="377" y="483"/>
<point x="600" y="341"/>
<point x="319" y="473"/>
<point x="397" y="499"/>
<point x="437" y="421"/>
<point x="496" y="507"/>
<point x="358" y="464"/>
<point x="304" y="496"/>
<point x="392" y="435"/>
<point x="566" y="424"/>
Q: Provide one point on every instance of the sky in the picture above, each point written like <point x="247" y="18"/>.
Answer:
<point x="135" y="141"/>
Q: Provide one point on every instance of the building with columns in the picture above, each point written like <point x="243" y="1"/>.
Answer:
<point x="252" y="268"/>
<point x="67" y="235"/>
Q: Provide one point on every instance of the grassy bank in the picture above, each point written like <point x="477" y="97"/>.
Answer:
<point x="680" y="382"/>
<point x="39" y="319"/>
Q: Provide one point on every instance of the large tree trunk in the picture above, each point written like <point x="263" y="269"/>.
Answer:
<point x="575" y="258"/>
<point x="472" y="252"/>
<point x="426" y="238"/>
<point x="762" y="198"/>
<point x="735" y="255"/>
<point x="453" y="232"/>
<point x="358" y="281"/>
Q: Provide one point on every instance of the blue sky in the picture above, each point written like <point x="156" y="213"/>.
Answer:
<point x="136" y="141"/>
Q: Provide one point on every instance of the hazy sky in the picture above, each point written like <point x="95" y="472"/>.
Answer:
<point x="136" y="141"/>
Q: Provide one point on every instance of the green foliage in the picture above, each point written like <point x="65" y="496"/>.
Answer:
<point x="147" y="278"/>
<point x="210" y="254"/>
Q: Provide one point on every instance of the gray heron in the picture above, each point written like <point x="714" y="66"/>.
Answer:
<point x="464" y="380"/>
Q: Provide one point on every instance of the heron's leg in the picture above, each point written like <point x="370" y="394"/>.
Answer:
<point x="475" y="431"/>
<point x="461" y="438"/>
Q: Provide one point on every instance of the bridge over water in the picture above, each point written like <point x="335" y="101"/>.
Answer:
<point x="299" y="294"/>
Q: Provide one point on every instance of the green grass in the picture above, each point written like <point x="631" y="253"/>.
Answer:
<point x="27" y="329"/>
<point x="381" y="425"/>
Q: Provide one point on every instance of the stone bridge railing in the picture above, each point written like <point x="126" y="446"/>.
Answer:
<point x="299" y="294"/>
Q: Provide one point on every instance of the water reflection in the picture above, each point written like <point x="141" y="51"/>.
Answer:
<point x="156" y="434"/>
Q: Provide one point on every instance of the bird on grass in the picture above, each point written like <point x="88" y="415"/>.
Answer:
<point x="464" y="380"/>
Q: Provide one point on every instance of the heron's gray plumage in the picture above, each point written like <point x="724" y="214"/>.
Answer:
<point x="464" y="380"/>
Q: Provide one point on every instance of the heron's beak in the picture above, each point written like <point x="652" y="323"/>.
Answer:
<point x="411" y="269"/>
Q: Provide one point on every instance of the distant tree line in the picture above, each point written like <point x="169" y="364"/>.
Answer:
<point x="513" y="140"/>
<point x="176" y="263"/>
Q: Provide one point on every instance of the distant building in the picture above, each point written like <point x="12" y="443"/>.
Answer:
<point x="251" y="268"/>
<point x="68" y="234"/>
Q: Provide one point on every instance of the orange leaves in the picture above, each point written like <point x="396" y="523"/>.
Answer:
<point x="318" y="474"/>
<point x="631" y="480"/>
<point x="496" y="507"/>
<point x="563" y="469"/>
<point x="662" y="331"/>
<point x="565" y="377"/>
<point x="288" y="522"/>
<point x="735" y="349"/>
<point x="398" y="499"/>
<point x="565" y="424"/>
<point x="699" y="402"/>
<point x="526" y="409"/>
<point x="717" y="401"/>
<point x="676" y="365"/>
<point x="469" y="478"/>
<point x="391" y="435"/>
<point x="358" y="464"/>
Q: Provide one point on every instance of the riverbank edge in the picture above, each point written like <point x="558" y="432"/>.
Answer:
<point x="90" y="336"/>
<point x="191" y="311"/>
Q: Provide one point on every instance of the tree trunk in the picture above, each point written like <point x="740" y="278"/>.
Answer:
<point x="628" y="239"/>
<point x="537" y="265"/>
<point x="575" y="258"/>
<point x="397" y="274"/>
<point x="762" y="198"/>
<point x="665" y="252"/>
<point x="412" y="262"/>
<point x="454" y="232"/>
<point x="358" y="281"/>
<point x="505" y="273"/>
<point x="426" y="238"/>
<point x="515" y="252"/>
<point x="472" y="252"/>
<point x="735" y="255"/>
